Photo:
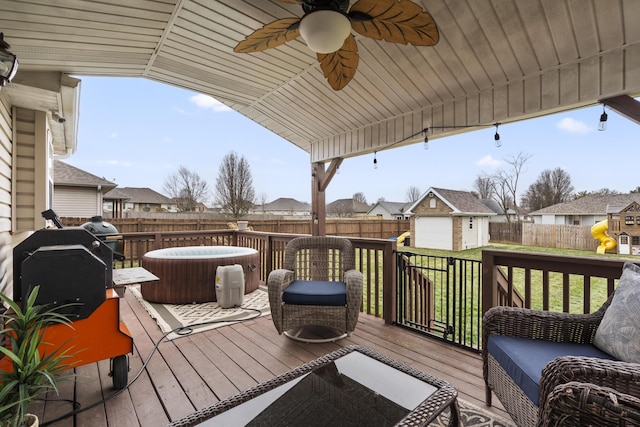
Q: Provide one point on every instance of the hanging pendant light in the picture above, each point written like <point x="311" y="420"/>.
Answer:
<point x="603" y="120"/>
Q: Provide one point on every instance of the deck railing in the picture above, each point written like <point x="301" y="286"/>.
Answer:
<point x="533" y="280"/>
<point x="446" y="297"/>
<point x="569" y="284"/>
<point x="374" y="258"/>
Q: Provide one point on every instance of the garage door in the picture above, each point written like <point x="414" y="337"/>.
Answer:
<point x="434" y="233"/>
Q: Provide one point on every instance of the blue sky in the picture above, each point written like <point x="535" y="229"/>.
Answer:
<point x="136" y="133"/>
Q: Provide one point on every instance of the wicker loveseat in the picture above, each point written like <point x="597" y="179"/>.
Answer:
<point x="547" y="370"/>
<point x="316" y="286"/>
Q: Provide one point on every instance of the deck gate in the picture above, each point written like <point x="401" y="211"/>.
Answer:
<point x="441" y="297"/>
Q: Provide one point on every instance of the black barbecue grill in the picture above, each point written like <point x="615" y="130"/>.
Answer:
<point x="74" y="268"/>
<point x="71" y="266"/>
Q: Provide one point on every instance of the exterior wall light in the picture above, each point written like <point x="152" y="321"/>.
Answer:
<point x="8" y="62"/>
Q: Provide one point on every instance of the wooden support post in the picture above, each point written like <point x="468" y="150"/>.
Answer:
<point x="320" y="179"/>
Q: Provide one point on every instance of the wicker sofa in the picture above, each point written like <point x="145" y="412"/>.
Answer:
<point x="316" y="286"/>
<point x="546" y="370"/>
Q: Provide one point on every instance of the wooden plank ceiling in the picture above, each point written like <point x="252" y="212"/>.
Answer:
<point x="496" y="61"/>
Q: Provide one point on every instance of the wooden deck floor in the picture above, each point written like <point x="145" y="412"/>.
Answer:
<point x="193" y="372"/>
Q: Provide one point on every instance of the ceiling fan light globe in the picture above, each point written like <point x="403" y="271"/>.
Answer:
<point x="325" y="31"/>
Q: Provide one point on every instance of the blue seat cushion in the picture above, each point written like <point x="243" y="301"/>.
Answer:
<point x="523" y="359"/>
<point x="312" y="292"/>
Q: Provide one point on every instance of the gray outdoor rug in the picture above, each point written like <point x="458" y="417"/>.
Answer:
<point x="177" y="320"/>
<point x="471" y="415"/>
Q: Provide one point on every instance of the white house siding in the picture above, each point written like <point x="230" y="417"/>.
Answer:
<point x="477" y="236"/>
<point x="79" y="202"/>
<point x="382" y="212"/>
<point x="32" y="186"/>
<point x="544" y="219"/>
<point x="434" y="233"/>
<point x="6" y="253"/>
<point x="592" y="219"/>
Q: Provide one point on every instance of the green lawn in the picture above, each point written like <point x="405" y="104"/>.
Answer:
<point x="472" y="297"/>
<point x="476" y="253"/>
<point x="576" y="289"/>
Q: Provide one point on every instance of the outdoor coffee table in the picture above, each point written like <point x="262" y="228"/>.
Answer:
<point x="351" y="386"/>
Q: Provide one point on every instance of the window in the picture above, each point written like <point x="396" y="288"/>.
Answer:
<point x="628" y="220"/>
<point x="638" y="220"/>
<point x="432" y="203"/>
<point x="624" y="240"/>
<point x="470" y="223"/>
<point x="635" y="240"/>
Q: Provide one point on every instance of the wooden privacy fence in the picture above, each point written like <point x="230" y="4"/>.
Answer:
<point x="363" y="228"/>
<point x="544" y="235"/>
<point x="505" y="232"/>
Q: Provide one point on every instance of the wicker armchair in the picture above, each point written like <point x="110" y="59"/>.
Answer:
<point x="573" y="390"/>
<point x="318" y="285"/>
<point x="576" y="404"/>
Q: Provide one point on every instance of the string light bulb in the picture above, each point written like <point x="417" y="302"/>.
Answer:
<point x="603" y="120"/>
<point x="375" y="161"/>
<point x="496" y="137"/>
<point x="426" y="138"/>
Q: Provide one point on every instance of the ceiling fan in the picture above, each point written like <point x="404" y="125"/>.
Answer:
<point x="326" y="28"/>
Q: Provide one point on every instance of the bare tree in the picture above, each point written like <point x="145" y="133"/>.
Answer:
<point x="506" y="183"/>
<point x="413" y="193"/>
<point x="485" y="187"/>
<point x="262" y="201"/>
<point x="359" y="197"/>
<point x="234" y="185"/>
<point x="187" y="189"/>
<point x="551" y="187"/>
<point x="600" y="192"/>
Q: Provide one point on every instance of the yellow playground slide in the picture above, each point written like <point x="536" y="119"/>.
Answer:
<point x="599" y="231"/>
<point x="403" y="236"/>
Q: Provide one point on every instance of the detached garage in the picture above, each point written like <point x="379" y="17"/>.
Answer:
<point x="449" y="220"/>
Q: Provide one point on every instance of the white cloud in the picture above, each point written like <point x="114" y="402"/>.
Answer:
<point x="113" y="135"/>
<point x="573" y="126"/>
<point x="205" y="101"/>
<point x="488" y="161"/>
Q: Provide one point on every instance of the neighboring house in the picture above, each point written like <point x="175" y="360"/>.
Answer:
<point x="499" y="212"/>
<point x="77" y="193"/>
<point x="143" y="199"/>
<point x="449" y="220"/>
<point x="283" y="206"/>
<point x="587" y="210"/>
<point x="114" y="203"/>
<point x="347" y="208"/>
<point x="390" y="210"/>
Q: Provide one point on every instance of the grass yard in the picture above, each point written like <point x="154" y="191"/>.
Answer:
<point x="576" y="288"/>
<point x="469" y="293"/>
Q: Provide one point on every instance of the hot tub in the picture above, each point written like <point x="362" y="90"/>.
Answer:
<point x="187" y="274"/>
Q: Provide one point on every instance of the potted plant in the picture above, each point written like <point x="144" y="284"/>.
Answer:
<point x="24" y="373"/>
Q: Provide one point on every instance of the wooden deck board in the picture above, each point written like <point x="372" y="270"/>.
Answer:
<point x="194" y="371"/>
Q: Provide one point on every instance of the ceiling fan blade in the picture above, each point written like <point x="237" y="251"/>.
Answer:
<point x="395" y="21"/>
<point x="271" y="35"/>
<point x="292" y="1"/>
<point x="339" y="67"/>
